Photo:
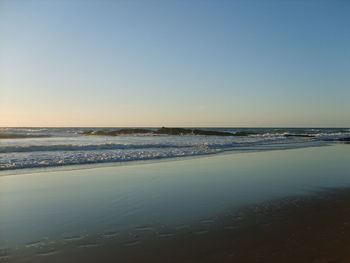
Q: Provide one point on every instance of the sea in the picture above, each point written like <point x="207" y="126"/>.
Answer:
<point x="23" y="148"/>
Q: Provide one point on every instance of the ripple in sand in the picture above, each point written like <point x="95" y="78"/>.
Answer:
<point x="132" y="243"/>
<point x="207" y="221"/>
<point x="36" y="243"/>
<point x="73" y="238"/>
<point x="47" y="253"/>
<point x="4" y="255"/>
<point x="166" y="235"/>
<point x="180" y="227"/>
<point x="144" y="228"/>
<point x="89" y="245"/>
<point x="4" y="258"/>
<point x="201" y="232"/>
<point x="110" y="234"/>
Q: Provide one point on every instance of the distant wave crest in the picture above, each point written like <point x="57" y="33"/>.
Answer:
<point x="74" y="147"/>
<point x="19" y="136"/>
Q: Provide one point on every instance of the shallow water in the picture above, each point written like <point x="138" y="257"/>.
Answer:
<point x="47" y="213"/>
<point x="51" y="147"/>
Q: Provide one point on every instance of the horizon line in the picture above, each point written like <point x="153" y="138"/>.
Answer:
<point x="271" y="127"/>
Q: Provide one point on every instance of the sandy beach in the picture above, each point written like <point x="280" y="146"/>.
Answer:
<point x="184" y="131"/>
<point x="290" y="206"/>
<point x="314" y="229"/>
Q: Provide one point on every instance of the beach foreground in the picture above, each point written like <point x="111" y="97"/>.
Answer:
<point x="301" y="230"/>
<point x="275" y="206"/>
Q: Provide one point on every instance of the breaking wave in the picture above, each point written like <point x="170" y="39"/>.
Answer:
<point x="49" y="147"/>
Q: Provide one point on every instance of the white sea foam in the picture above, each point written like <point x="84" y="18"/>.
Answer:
<point x="67" y="146"/>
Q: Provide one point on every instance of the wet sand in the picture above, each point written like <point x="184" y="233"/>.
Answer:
<point x="300" y="226"/>
<point x="296" y="229"/>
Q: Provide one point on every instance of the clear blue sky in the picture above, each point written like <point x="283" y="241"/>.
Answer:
<point x="175" y="63"/>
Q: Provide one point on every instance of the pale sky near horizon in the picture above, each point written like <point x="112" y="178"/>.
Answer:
<point x="175" y="63"/>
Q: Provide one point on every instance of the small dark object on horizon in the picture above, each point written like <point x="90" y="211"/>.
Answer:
<point x="118" y="132"/>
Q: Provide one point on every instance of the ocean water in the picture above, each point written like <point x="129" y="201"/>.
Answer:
<point x="49" y="147"/>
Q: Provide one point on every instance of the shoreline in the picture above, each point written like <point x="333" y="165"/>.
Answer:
<point x="70" y="147"/>
<point x="88" y="166"/>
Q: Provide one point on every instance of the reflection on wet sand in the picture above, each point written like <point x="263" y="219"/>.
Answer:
<point x="285" y="208"/>
<point x="312" y="228"/>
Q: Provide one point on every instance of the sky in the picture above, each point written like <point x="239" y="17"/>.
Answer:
<point x="175" y="63"/>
